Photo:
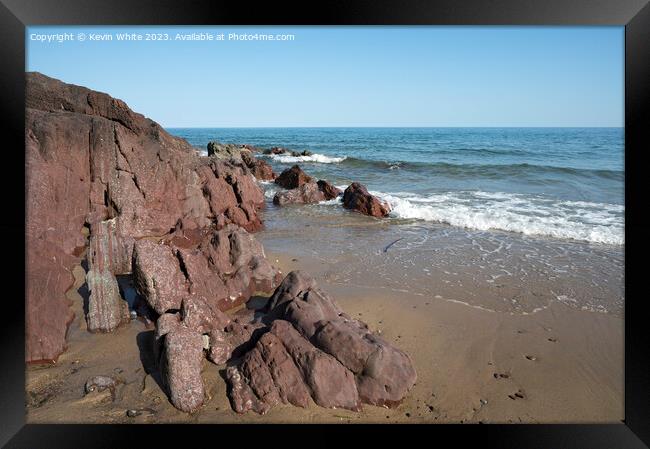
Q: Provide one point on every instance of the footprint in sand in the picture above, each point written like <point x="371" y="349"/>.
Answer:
<point x="519" y="394"/>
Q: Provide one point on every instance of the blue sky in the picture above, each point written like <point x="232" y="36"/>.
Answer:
<point x="352" y="76"/>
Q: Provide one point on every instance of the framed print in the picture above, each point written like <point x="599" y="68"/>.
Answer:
<point x="372" y="213"/>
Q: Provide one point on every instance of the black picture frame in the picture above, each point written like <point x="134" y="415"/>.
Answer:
<point x="15" y="15"/>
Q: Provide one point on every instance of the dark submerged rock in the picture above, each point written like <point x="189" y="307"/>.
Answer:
<point x="292" y="178"/>
<point x="356" y="197"/>
<point x="307" y="193"/>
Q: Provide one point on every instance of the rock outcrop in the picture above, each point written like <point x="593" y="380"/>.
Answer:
<point x="356" y="197"/>
<point x="228" y="151"/>
<point x="336" y="359"/>
<point x="223" y="269"/>
<point x="259" y="168"/>
<point x="292" y="178"/>
<point x="280" y="150"/>
<point x="94" y="164"/>
<point x="311" y="192"/>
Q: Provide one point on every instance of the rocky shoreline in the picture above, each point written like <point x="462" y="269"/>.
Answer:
<point x="110" y="188"/>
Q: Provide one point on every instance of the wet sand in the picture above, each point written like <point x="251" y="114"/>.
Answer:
<point x="560" y="364"/>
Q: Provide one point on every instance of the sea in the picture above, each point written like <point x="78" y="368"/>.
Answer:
<point x="538" y="208"/>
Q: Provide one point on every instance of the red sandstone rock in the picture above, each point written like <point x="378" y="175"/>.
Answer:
<point x="157" y="275"/>
<point x="181" y="368"/>
<point x="292" y="178"/>
<point x="339" y="359"/>
<point x="107" y="254"/>
<point x="356" y="197"/>
<point x="310" y="192"/>
<point x="383" y="372"/>
<point x="330" y="191"/>
<point x="199" y="314"/>
<point x="260" y="169"/>
<point x="164" y="324"/>
<point x="90" y="159"/>
<point x="286" y="375"/>
<point x="331" y="384"/>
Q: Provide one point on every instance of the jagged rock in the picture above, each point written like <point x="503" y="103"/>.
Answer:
<point x="384" y="373"/>
<point x="276" y="150"/>
<point x="356" y="197"/>
<point x="260" y="169"/>
<point x="286" y="376"/>
<point x="225" y="150"/>
<point x="224" y="269"/>
<point x="292" y="178"/>
<point x="181" y="368"/>
<point x="241" y="394"/>
<point x="331" y="384"/>
<point x="284" y="366"/>
<point x="340" y="361"/>
<point x="220" y="348"/>
<point x="203" y="315"/>
<point x="307" y="193"/>
<point x="90" y="159"/>
<point x="330" y="191"/>
<point x="241" y="261"/>
<point x="299" y="300"/>
<point x="157" y="276"/>
<point x="252" y="148"/>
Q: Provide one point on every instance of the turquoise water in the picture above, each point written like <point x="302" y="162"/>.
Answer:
<point x="559" y="183"/>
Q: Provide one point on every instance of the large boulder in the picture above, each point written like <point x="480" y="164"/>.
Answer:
<point x="356" y="197"/>
<point x="89" y="160"/>
<point x="341" y="363"/>
<point x="158" y="276"/>
<point x="307" y="193"/>
<point x="181" y="368"/>
<point x="292" y="178"/>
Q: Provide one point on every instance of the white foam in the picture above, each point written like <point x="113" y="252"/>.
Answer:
<point x="529" y="215"/>
<point x="319" y="158"/>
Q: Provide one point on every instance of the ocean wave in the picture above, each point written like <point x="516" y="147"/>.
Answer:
<point x="528" y="215"/>
<point x="319" y="158"/>
<point x="494" y="171"/>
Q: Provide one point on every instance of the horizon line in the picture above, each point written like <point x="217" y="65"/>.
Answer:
<point x="374" y="126"/>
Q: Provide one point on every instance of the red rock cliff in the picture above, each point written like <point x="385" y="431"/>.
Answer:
<point x="94" y="164"/>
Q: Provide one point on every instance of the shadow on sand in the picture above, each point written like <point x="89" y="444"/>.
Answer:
<point x="145" y="342"/>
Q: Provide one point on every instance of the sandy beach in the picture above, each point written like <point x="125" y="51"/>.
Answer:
<point x="557" y="365"/>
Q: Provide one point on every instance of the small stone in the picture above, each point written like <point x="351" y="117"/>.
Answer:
<point x="484" y="401"/>
<point x="133" y="413"/>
